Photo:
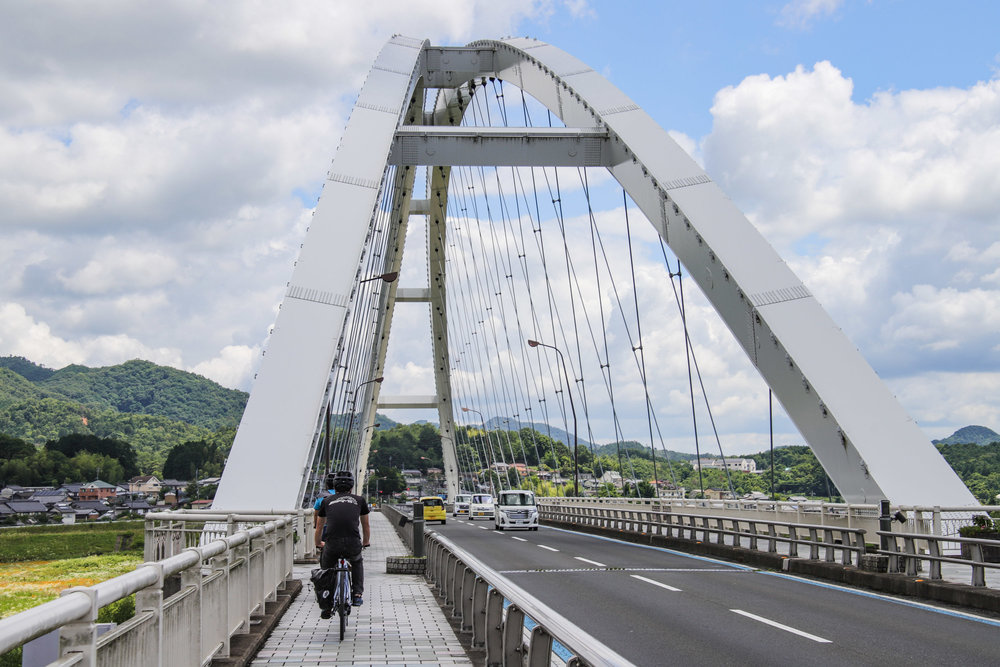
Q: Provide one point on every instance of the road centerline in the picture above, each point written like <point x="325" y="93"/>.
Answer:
<point x="781" y="626"/>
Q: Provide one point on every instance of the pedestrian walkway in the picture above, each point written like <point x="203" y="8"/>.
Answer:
<point x="400" y="622"/>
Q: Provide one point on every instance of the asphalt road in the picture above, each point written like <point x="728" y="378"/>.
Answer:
<point x="659" y="607"/>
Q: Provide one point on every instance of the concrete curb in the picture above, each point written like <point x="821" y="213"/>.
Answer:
<point x="243" y="648"/>
<point x="962" y="595"/>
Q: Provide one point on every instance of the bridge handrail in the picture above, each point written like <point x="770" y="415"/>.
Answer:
<point x="675" y="524"/>
<point x="265" y="550"/>
<point x="478" y="592"/>
<point x="910" y="555"/>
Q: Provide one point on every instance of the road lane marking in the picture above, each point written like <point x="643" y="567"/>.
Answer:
<point x="655" y="583"/>
<point x="889" y="599"/>
<point x="519" y="539"/>
<point x="483" y="527"/>
<point x="592" y="562"/>
<point x="780" y="626"/>
<point x="549" y="548"/>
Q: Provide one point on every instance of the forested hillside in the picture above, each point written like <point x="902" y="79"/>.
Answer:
<point x="138" y="387"/>
<point x="152" y="408"/>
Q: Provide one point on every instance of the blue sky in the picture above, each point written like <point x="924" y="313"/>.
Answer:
<point x="159" y="162"/>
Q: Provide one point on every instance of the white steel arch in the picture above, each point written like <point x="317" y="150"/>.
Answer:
<point x="862" y="436"/>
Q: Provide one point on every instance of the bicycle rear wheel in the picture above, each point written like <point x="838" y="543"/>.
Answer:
<point x="342" y="612"/>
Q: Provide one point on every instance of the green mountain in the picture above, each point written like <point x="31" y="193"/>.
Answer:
<point x="978" y="435"/>
<point x="151" y="407"/>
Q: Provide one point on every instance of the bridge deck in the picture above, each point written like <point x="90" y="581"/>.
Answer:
<point x="400" y="622"/>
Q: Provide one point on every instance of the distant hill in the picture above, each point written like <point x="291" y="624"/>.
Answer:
<point x="979" y="435"/>
<point x="136" y="387"/>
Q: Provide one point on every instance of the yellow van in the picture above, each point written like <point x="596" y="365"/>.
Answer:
<point x="434" y="509"/>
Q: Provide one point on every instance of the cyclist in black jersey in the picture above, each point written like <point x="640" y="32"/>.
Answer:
<point x="341" y="514"/>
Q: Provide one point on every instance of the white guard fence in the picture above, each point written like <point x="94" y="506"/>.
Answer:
<point x="820" y="531"/>
<point x="215" y="572"/>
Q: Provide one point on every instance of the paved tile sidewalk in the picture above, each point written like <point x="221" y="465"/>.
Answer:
<point x="400" y="622"/>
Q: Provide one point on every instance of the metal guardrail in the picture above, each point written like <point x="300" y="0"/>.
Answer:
<point x="924" y="519"/>
<point x="849" y="542"/>
<point x="909" y="557"/>
<point x="188" y="605"/>
<point x="479" y="593"/>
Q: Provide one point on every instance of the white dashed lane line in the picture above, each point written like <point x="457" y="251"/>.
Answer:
<point x="781" y="626"/>
<point x="655" y="583"/>
<point x="592" y="562"/>
<point x="545" y="547"/>
<point x="519" y="539"/>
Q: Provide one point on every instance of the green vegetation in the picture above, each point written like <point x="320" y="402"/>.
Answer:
<point x="978" y="466"/>
<point x="44" y="543"/>
<point x="152" y="408"/>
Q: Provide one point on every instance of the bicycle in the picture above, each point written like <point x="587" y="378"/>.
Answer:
<point x="342" y="593"/>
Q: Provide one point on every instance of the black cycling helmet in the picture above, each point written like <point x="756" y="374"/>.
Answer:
<point x="340" y="481"/>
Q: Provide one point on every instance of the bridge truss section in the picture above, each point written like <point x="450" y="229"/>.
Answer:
<point x="861" y="435"/>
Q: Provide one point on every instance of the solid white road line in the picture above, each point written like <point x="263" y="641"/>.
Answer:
<point x="655" y="583"/>
<point x="519" y="539"/>
<point x="780" y="626"/>
<point x="592" y="562"/>
<point x="549" y="548"/>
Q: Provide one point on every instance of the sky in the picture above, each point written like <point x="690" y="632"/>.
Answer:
<point x="159" y="163"/>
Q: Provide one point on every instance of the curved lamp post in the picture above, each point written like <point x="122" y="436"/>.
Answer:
<point x="576" y="467"/>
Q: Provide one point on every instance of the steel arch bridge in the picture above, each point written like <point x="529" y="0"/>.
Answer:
<point x="862" y="436"/>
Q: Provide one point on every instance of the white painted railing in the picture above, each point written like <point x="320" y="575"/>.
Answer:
<point x="188" y="605"/>
<point x="940" y="521"/>
<point x="756" y="533"/>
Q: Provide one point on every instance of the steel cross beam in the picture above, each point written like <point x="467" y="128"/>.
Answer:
<point x="500" y="146"/>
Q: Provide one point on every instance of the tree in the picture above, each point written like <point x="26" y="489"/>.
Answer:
<point x="14" y="448"/>
<point x="74" y="443"/>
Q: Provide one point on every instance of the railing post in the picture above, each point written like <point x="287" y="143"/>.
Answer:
<point x="191" y="578"/>
<point x="884" y="523"/>
<point x="468" y="592"/>
<point x="494" y="628"/>
<point x="150" y="599"/>
<point x="80" y="638"/>
<point x="418" y="530"/>
<point x="479" y="596"/>
<point x="539" y="647"/>
<point x="513" y="629"/>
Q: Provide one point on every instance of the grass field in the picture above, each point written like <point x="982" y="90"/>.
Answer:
<point x="56" y="541"/>
<point x="28" y="584"/>
<point x="38" y="562"/>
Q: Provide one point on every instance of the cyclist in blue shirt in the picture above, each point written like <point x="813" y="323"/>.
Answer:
<point x="341" y="515"/>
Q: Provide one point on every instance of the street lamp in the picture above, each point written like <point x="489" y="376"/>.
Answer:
<point x="576" y="467"/>
<point x="386" y="277"/>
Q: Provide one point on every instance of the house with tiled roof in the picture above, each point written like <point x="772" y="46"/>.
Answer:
<point x="50" y="497"/>
<point x="97" y="490"/>
<point x="148" y="484"/>
<point x="26" y="507"/>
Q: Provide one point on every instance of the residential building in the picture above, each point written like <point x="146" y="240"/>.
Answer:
<point x="147" y="484"/>
<point x="738" y="465"/>
<point x="97" y="490"/>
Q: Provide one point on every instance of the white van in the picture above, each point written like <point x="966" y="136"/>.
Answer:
<point x="481" y="506"/>
<point x="516" y="509"/>
<point x="461" y="506"/>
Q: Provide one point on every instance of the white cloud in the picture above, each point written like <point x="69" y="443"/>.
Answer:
<point x="158" y="165"/>
<point x="802" y="13"/>
<point x="885" y="208"/>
